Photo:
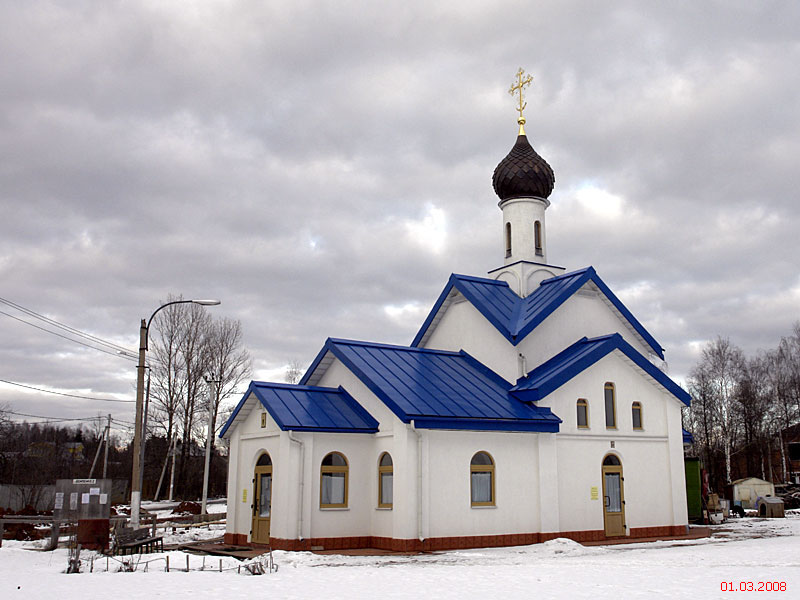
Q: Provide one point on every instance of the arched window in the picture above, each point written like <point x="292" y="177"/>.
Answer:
<point x="636" y="409"/>
<point x="611" y="406"/>
<point x="537" y="237"/>
<point x="583" y="413"/>
<point x="508" y="240"/>
<point x="481" y="481"/>
<point x="264" y="461"/>
<point x="333" y="481"/>
<point x="385" y="481"/>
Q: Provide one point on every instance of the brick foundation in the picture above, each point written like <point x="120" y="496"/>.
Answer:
<point x="452" y="543"/>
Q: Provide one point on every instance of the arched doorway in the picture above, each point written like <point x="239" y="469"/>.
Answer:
<point x="613" y="496"/>
<point x="262" y="507"/>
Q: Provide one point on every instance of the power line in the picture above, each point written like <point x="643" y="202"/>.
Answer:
<point x="52" y="419"/>
<point x="30" y="387"/>
<point x="60" y="325"/>
<point x="117" y="353"/>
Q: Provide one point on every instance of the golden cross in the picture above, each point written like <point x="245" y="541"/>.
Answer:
<point x="522" y="83"/>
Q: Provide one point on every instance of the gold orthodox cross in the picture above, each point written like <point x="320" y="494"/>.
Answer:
<point x="522" y="82"/>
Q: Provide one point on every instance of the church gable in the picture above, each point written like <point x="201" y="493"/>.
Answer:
<point x="552" y="374"/>
<point x="515" y="317"/>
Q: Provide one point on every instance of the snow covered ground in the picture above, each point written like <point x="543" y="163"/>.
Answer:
<point x="741" y="552"/>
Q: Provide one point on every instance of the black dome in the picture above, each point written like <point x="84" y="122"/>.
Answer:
<point x="523" y="173"/>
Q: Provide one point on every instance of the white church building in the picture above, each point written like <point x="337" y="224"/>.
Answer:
<point x="530" y="405"/>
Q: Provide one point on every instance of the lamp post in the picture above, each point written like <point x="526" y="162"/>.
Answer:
<point x="136" y="481"/>
<point x="212" y="396"/>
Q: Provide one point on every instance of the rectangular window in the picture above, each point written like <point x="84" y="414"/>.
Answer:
<point x="583" y="414"/>
<point x="263" y="419"/>
<point x="386" y="489"/>
<point x="265" y="495"/>
<point x="637" y="415"/>
<point x="333" y="489"/>
<point x="611" y="409"/>
<point x="482" y="487"/>
<point x="613" y="493"/>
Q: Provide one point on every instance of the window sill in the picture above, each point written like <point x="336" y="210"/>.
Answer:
<point x="383" y="508"/>
<point x="487" y="506"/>
<point x="334" y="508"/>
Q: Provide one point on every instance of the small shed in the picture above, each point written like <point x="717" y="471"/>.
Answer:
<point x="770" y="507"/>
<point x="746" y="491"/>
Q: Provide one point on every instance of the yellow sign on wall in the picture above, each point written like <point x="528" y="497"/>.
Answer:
<point x="244" y="495"/>
<point x="595" y="493"/>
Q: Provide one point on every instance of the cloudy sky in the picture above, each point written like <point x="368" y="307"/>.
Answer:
<point x="322" y="168"/>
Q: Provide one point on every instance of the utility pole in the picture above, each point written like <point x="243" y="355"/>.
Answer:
<point x="144" y="429"/>
<point x="108" y="439"/>
<point x="172" y="472"/>
<point x="97" y="454"/>
<point x="212" y="396"/>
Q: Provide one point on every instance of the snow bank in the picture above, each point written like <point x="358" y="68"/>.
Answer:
<point x="741" y="551"/>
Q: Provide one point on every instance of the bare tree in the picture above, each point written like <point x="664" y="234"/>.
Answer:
<point x="293" y="372"/>
<point x="166" y="367"/>
<point x="716" y="379"/>
<point x="227" y="362"/>
<point x="192" y="356"/>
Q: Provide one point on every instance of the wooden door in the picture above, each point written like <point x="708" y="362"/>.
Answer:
<point x="262" y="505"/>
<point x="613" y="497"/>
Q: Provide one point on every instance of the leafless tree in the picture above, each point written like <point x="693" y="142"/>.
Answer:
<point x="227" y="362"/>
<point x="294" y="372"/>
<point x="715" y="380"/>
<point x="188" y="345"/>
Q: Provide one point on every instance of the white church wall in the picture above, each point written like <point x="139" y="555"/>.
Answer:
<point x="646" y="455"/>
<point x="355" y="519"/>
<point x="449" y="511"/>
<point x="464" y="327"/>
<point x="248" y="442"/>
<point x="577" y="317"/>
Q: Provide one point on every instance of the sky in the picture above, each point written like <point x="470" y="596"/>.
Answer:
<point x="322" y="168"/>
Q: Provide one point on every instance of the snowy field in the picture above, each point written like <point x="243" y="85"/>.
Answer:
<point x="741" y="552"/>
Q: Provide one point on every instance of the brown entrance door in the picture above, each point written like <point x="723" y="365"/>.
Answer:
<point x="613" y="497"/>
<point x="262" y="507"/>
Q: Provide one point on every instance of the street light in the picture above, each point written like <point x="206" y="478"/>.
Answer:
<point x="136" y="482"/>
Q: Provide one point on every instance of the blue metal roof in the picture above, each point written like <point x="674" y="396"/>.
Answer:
<point x="308" y="408"/>
<point x="565" y="365"/>
<point x="516" y="317"/>
<point x="688" y="438"/>
<point x="437" y="389"/>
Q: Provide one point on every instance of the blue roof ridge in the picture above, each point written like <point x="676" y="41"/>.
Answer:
<point x="568" y="275"/>
<point x="346" y="342"/>
<point x="479" y="279"/>
<point x="294" y="386"/>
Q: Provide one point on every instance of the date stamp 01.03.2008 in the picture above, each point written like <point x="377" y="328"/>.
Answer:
<point x="753" y="586"/>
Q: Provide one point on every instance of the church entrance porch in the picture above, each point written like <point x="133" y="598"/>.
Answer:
<point x="613" y="497"/>
<point x="262" y="505"/>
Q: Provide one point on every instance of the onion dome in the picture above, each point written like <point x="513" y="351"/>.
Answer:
<point x="523" y="173"/>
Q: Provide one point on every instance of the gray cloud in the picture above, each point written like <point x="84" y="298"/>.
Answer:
<point x="285" y="160"/>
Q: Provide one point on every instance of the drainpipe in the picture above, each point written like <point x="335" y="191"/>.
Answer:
<point x="523" y="365"/>
<point x="300" y="498"/>
<point x="419" y="481"/>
